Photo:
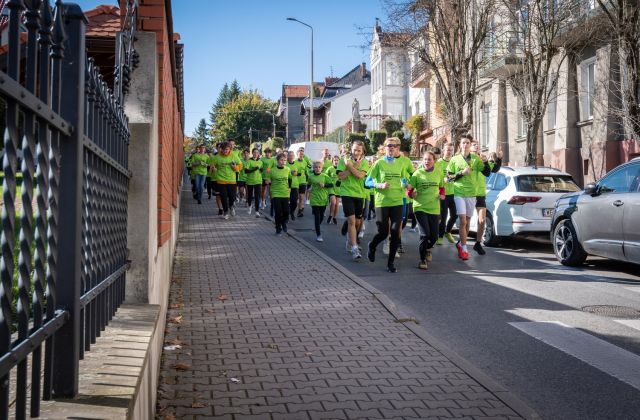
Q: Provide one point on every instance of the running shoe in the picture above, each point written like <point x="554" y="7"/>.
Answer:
<point x="293" y="217"/>
<point x="412" y="230"/>
<point x="250" y="210"/>
<point x="450" y="237"/>
<point x="209" y="197"/>
<point x="225" y="216"/>
<point x="344" y="229"/>
<point x="371" y="253"/>
<point x="459" y="247"/>
<point x="306" y="202"/>
<point x="319" y="239"/>
<point x="464" y="255"/>
<point x="233" y="211"/>
<point x="385" y="247"/>
<point x="429" y="256"/>
<point x="422" y="265"/>
<point x="284" y="228"/>
<point x="440" y="241"/>
<point x="355" y="253"/>
<point x="334" y="221"/>
<point x="258" y="215"/>
<point x="479" y="249"/>
<point x="199" y="201"/>
<point x="219" y="212"/>
<point x="400" y="249"/>
<point x="392" y="268"/>
<point x="300" y="213"/>
<point x="329" y="220"/>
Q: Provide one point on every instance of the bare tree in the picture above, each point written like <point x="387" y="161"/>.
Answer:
<point x="447" y="35"/>
<point x="538" y="39"/>
<point x="624" y="17"/>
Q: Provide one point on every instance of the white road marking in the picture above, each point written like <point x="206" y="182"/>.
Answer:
<point x="632" y="323"/>
<point x="619" y="363"/>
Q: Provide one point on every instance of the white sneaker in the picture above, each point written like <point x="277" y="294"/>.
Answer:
<point x="361" y="234"/>
<point x="225" y="216"/>
<point x="319" y="238"/>
<point x="347" y="246"/>
<point x="250" y="210"/>
<point x="307" y="202"/>
<point x="355" y="253"/>
<point x="233" y="211"/>
<point x="258" y="215"/>
<point x="385" y="248"/>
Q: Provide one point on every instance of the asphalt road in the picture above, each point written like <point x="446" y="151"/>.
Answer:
<point x="518" y="315"/>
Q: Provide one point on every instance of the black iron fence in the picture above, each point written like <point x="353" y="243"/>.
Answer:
<point x="63" y="239"/>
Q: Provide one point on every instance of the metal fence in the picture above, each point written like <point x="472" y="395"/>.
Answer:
<point x="63" y="239"/>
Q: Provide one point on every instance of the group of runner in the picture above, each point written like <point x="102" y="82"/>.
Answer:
<point x="432" y="194"/>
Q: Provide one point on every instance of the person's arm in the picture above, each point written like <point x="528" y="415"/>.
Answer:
<point x="497" y="164"/>
<point x="358" y="173"/>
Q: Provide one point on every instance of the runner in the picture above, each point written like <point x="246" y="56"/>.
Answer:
<point x="448" y="205"/>
<point x="389" y="177"/>
<point x="426" y="186"/>
<point x="326" y="159"/>
<point x="334" y="194"/>
<point x="407" y="164"/>
<point x="279" y="180"/>
<point x="242" y="176"/>
<point x="495" y="162"/>
<point x="293" y="166"/>
<point x="199" y="163"/>
<point x="321" y="185"/>
<point x="226" y="166"/>
<point x="351" y="171"/>
<point x="253" y="168"/>
<point x="303" y="170"/>
<point x="461" y="170"/>
<point x="211" y="185"/>
<point x="267" y="163"/>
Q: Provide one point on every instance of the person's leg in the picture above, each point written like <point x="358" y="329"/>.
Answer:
<point x="433" y="230"/>
<point x="301" y="199"/>
<point x="233" y="189"/>
<point x="395" y="225"/>
<point x="277" y="208"/>
<point x="250" y="190"/>
<point x="224" y="197"/>
<point x="359" y="214"/>
<point x="317" y="218"/>
<point x="382" y="223"/>
<point x="293" y="202"/>
<point x="423" y="225"/>
<point x="481" y="210"/>
<point x="200" y="179"/>
<point x="453" y="213"/>
<point x="443" y="217"/>
<point x="257" y="196"/>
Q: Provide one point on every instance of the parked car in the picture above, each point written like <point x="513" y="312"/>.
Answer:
<point x="602" y="220"/>
<point x="520" y="201"/>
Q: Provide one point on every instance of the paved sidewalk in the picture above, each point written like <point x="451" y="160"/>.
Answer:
<point x="270" y="328"/>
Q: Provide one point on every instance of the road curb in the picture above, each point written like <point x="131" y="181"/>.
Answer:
<point x="504" y="395"/>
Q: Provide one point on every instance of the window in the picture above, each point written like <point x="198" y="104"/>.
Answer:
<point x="546" y="183"/>
<point x="394" y="75"/>
<point x="621" y="181"/>
<point x="522" y="123"/>
<point x="553" y="102"/>
<point x="485" y="124"/>
<point x="417" y="108"/>
<point x="588" y="76"/>
<point x="500" y="183"/>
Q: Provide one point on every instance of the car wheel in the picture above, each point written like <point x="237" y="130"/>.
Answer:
<point x="566" y="245"/>
<point x="489" y="238"/>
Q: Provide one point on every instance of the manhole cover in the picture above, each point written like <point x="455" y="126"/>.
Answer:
<point x="612" y="311"/>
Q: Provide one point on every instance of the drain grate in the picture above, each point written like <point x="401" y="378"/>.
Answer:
<point x="612" y="311"/>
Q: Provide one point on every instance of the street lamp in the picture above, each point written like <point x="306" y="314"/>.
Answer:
<point x="311" y="122"/>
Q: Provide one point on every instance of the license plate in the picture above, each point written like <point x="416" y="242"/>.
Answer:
<point x="547" y="212"/>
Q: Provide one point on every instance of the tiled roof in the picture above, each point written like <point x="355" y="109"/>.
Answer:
<point x="104" y="21"/>
<point x="296" y="91"/>
<point x="394" y="39"/>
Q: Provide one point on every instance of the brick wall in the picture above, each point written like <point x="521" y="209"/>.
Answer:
<point x="152" y="17"/>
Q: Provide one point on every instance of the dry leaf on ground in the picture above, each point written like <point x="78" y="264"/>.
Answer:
<point x="235" y="380"/>
<point x="175" y="320"/>
<point x="198" y="405"/>
<point x="176" y="306"/>
<point x="174" y="342"/>
<point x="222" y="297"/>
<point x="308" y="353"/>
<point x="210" y="311"/>
<point x="181" y="366"/>
<point x="169" y="417"/>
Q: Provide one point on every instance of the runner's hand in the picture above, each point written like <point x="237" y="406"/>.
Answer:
<point x="466" y="171"/>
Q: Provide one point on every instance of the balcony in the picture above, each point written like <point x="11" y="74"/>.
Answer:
<point x="501" y="56"/>
<point x="583" y="19"/>
<point x="420" y="75"/>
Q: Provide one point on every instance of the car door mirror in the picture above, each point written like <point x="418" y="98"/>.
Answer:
<point x="591" y="189"/>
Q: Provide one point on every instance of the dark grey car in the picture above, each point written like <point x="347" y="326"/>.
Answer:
<point x="602" y="220"/>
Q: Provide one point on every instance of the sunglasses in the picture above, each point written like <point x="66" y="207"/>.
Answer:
<point x="391" y="146"/>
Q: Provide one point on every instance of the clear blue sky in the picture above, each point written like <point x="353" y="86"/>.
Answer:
<point x="251" y="41"/>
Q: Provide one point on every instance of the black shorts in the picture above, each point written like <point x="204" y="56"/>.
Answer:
<point x="242" y="183"/>
<point x="481" y="202"/>
<point x="215" y="187"/>
<point x="353" y="206"/>
<point x="302" y="188"/>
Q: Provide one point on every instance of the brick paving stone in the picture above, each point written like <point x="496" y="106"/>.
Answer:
<point x="303" y="344"/>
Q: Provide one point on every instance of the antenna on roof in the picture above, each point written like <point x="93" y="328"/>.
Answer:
<point x="331" y="71"/>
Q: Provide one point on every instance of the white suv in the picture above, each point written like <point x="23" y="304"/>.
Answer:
<point x="520" y="200"/>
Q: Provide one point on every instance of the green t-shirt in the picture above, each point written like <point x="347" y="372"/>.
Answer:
<point x="333" y="175"/>
<point x="199" y="163"/>
<point x="481" y="182"/>
<point x="352" y="186"/>
<point x="319" y="189"/>
<point x="255" y="177"/>
<point x="211" y="174"/>
<point x="303" y="169"/>
<point x="441" y="165"/>
<point x="279" y="182"/>
<point x="465" y="186"/>
<point x="326" y="164"/>
<point x="295" y="178"/>
<point x="427" y="185"/>
<point x="224" y="172"/>
<point x="242" y="176"/>
<point x="267" y="164"/>
<point x="392" y="173"/>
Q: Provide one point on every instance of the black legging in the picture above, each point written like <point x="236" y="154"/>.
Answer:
<point x="447" y="206"/>
<point x="385" y="217"/>
<point x="227" y="195"/>
<point x="254" y="192"/>
<point x="293" y="200"/>
<point x="428" y="231"/>
<point x="281" y="210"/>
<point x="410" y="216"/>
<point x="318" y="216"/>
<point x="210" y="187"/>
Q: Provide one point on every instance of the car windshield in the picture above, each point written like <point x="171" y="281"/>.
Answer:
<point x="546" y="183"/>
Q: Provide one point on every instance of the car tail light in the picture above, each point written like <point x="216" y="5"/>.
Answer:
<point x="519" y="200"/>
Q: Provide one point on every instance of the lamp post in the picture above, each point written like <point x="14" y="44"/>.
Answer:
<point x="311" y="122"/>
